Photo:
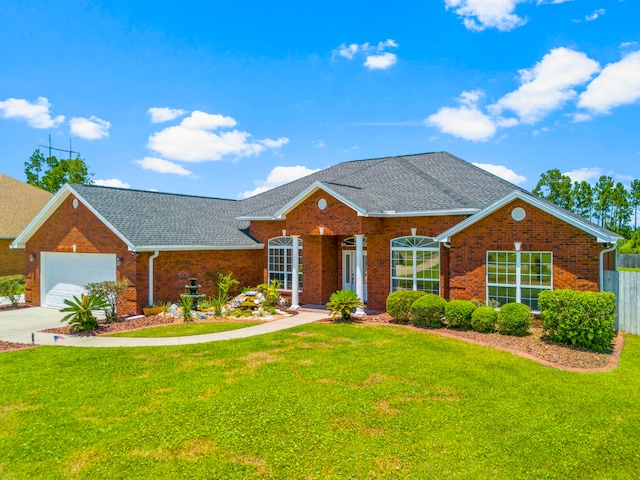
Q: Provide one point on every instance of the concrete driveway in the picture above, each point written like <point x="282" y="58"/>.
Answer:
<point x="18" y="325"/>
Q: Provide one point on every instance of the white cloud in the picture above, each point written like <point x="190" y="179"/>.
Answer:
<point x="628" y="44"/>
<point x="92" y="128"/>
<point x="207" y="121"/>
<point x="381" y="62"/>
<point x="375" y="56"/>
<point x="346" y="51"/>
<point x="584" y="174"/>
<point x="36" y="114"/>
<point x="278" y="176"/>
<point x="193" y="140"/>
<point x="112" y="182"/>
<point x="548" y="85"/>
<point x="466" y="121"/>
<point x="162" y="166"/>
<point x="463" y="122"/>
<point x="618" y="84"/>
<point x="478" y="15"/>
<point x="164" y="114"/>
<point x="581" y="117"/>
<point x="318" y="144"/>
<point x="538" y="131"/>
<point x="502" y="172"/>
<point x="595" y="15"/>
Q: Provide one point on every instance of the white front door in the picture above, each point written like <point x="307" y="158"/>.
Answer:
<point x="349" y="271"/>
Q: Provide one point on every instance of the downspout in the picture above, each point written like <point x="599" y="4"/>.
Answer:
<point x="151" y="258"/>
<point x="602" y="252"/>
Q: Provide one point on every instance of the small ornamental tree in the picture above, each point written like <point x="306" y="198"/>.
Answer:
<point x="111" y="292"/>
<point x="11" y="287"/>
<point x="343" y="302"/>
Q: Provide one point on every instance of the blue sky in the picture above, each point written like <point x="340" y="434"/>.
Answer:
<point x="227" y="99"/>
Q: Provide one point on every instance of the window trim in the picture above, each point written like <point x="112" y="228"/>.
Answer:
<point x="414" y="244"/>
<point x="284" y="245"/>
<point x="519" y="286"/>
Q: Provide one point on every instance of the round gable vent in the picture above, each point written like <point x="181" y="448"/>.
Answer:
<point x="518" y="214"/>
<point x="322" y="204"/>
<point x="75" y="203"/>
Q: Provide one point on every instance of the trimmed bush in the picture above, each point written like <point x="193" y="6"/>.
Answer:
<point x="484" y="319"/>
<point x="514" y="319"/>
<point x="399" y="304"/>
<point x="458" y="314"/>
<point x="581" y="319"/>
<point x="428" y="311"/>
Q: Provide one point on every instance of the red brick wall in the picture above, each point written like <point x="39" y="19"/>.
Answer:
<point x="67" y="227"/>
<point x="11" y="261"/>
<point x="575" y="253"/>
<point x="171" y="271"/>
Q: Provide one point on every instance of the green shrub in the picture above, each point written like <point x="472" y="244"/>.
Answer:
<point x="484" y="320"/>
<point x="11" y="287"/>
<point x="428" y="311"/>
<point x="399" y="304"/>
<point x="111" y="292"/>
<point x="514" y="319"/>
<point x="458" y="313"/>
<point x="343" y="302"/>
<point x="81" y="310"/>
<point x="186" y="302"/>
<point x="581" y="319"/>
<point x="271" y="291"/>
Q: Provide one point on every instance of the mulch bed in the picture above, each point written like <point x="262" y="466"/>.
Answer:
<point x="535" y="346"/>
<point x="9" y="346"/>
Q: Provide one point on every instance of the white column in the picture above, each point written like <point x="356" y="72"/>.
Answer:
<point x="359" y="271"/>
<point x="295" y="281"/>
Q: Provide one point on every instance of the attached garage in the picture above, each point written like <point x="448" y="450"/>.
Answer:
<point x="64" y="275"/>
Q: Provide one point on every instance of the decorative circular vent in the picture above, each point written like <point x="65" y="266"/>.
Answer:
<point x="75" y="203"/>
<point x="518" y="214"/>
<point x="322" y="204"/>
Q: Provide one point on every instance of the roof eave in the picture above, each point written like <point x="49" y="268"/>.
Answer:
<point x="182" y="248"/>
<point x="424" y="213"/>
<point x="602" y="237"/>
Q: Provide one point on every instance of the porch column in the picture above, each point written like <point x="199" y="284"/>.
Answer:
<point x="295" y="281"/>
<point x="359" y="271"/>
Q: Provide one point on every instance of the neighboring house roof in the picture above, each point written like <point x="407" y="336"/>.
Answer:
<point x="434" y="183"/>
<point x="19" y="203"/>
<point x="602" y="234"/>
<point x="424" y="184"/>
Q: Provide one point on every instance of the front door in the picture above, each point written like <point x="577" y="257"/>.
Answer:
<point x="349" y="271"/>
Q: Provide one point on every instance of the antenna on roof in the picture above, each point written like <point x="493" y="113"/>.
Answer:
<point x="49" y="147"/>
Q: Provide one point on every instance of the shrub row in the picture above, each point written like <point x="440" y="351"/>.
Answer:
<point x="580" y="319"/>
<point x="432" y="311"/>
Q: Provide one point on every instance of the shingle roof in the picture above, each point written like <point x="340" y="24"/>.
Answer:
<point x="19" y="203"/>
<point x="429" y="181"/>
<point x="163" y="219"/>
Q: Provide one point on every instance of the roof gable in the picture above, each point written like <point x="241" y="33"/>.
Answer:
<point x="603" y="235"/>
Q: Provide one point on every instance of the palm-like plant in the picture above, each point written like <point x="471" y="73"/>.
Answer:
<point x="343" y="302"/>
<point x="81" y="310"/>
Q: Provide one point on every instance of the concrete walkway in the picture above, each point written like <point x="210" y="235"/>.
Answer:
<point x="18" y="325"/>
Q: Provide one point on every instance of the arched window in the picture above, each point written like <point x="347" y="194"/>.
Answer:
<point x="280" y="261"/>
<point x="415" y="264"/>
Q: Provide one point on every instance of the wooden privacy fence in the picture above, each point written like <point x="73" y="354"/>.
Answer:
<point x="628" y="260"/>
<point x="626" y="287"/>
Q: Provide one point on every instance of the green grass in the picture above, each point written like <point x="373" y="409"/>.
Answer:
<point x="184" y="329"/>
<point x="318" y="401"/>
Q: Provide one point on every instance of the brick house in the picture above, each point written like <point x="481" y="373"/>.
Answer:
<point x="429" y="222"/>
<point x="19" y="203"/>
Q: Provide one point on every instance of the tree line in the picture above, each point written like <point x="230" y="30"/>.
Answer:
<point x="607" y="203"/>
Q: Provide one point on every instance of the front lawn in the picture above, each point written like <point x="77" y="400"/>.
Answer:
<point x="184" y="329"/>
<point x="319" y="401"/>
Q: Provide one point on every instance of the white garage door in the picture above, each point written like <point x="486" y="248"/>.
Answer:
<point x="65" y="274"/>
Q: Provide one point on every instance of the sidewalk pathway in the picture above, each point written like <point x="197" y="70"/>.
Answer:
<point x="305" y="316"/>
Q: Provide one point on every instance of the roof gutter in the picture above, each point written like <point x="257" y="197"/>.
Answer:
<point x="602" y="252"/>
<point x="151" y="259"/>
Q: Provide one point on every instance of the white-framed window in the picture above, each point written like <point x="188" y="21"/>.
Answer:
<point x="415" y="264"/>
<point x="518" y="276"/>
<point x="281" y="261"/>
